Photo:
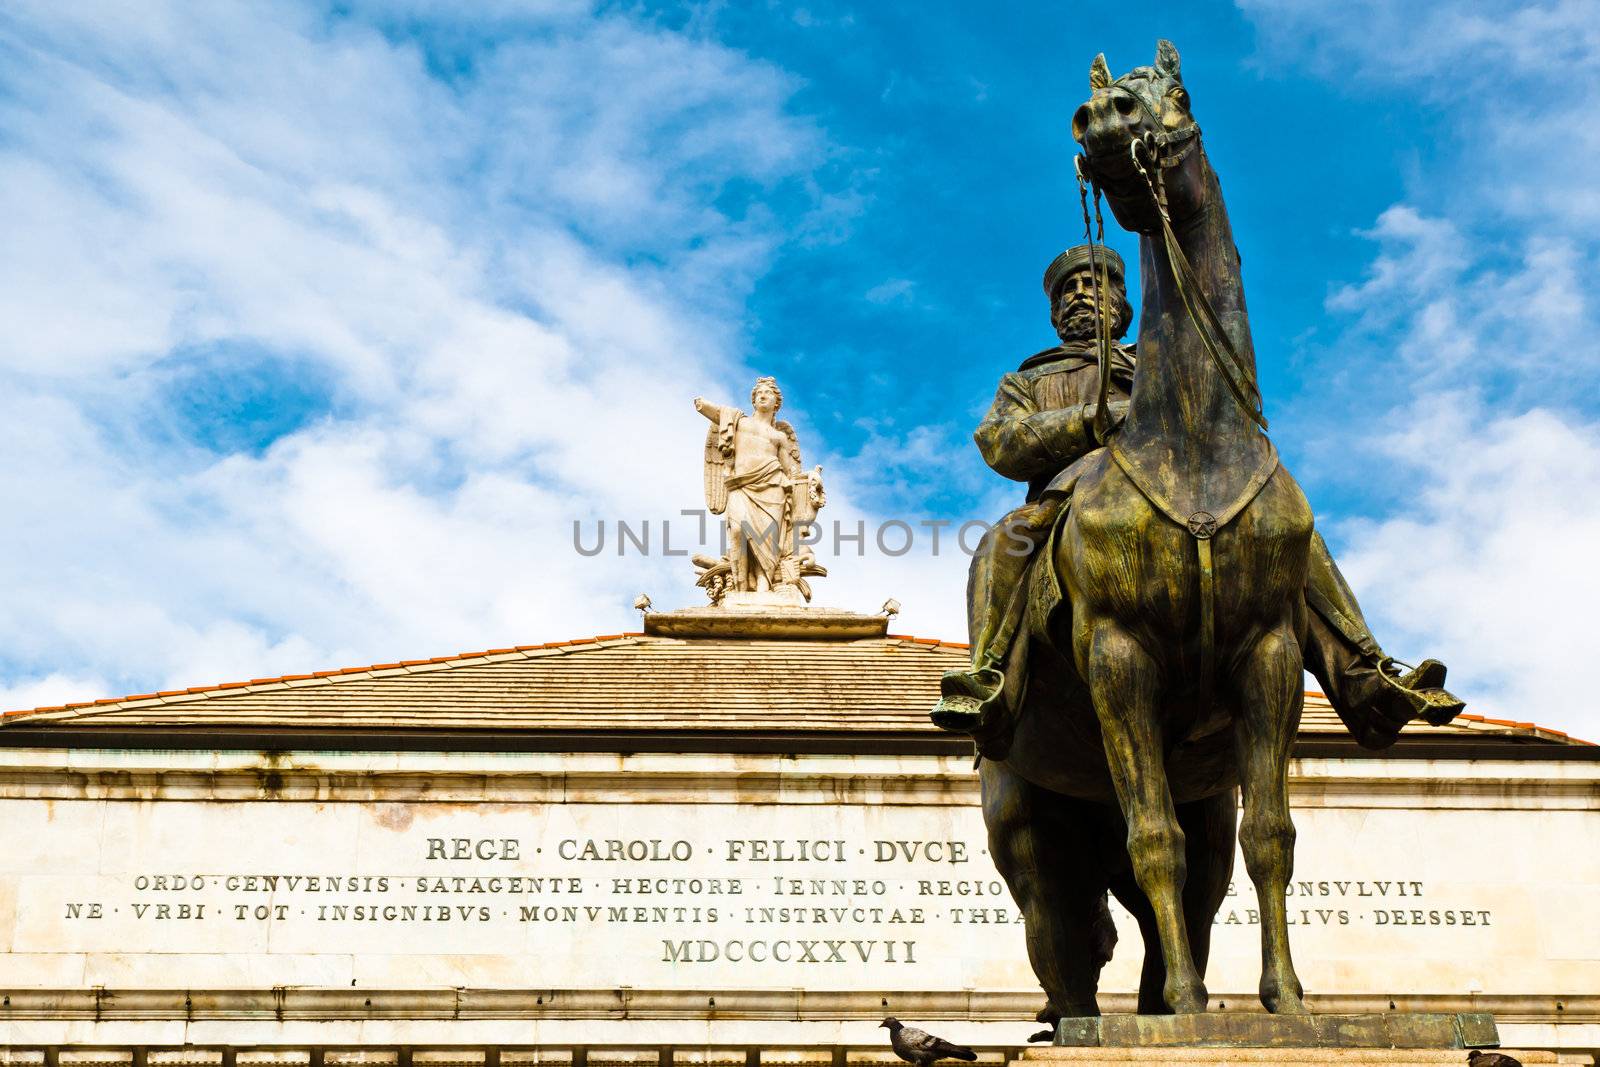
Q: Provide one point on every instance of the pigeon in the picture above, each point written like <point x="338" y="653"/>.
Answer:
<point x="922" y="1048"/>
<point x="1491" y="1059"/>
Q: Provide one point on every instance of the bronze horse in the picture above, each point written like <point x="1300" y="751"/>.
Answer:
<point x="1171" y="675"/>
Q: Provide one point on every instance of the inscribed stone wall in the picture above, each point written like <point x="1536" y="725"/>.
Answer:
<point x="734" y="873"/>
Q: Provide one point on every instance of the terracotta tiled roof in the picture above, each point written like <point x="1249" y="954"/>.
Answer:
<point x="615" y="682"/>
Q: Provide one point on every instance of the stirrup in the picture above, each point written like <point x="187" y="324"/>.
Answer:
<point x="1430" y="701"/>
<point x="964" y="696"/>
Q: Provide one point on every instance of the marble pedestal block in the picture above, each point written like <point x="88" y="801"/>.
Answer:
<point x="1241" y="1029"/>
<point x="1229" y="1057"/>
<point x="1390" y="1039"/>
<point x="763" y="616"/>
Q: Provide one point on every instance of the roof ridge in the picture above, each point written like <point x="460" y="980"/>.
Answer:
<point x="200" y="693"/>
<point x="368" y="669"/>
<point x="338" y="672"/>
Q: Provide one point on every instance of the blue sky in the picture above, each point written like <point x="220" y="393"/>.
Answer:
<point x="325" y="322"/>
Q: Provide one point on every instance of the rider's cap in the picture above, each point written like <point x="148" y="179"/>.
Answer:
<point x="1077" y="258"/>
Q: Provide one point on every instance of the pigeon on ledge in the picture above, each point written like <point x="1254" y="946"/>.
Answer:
<point x="922" y="1048"/>
<point x="1476" y="1058"/>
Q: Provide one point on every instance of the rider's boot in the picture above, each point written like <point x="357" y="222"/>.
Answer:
<point x="973" y="701"/>
<point x="966" y="696"/>
<point x="1367" y="688"/>
<point x="1420" y="692"/>
<point x="1394" y="699"/>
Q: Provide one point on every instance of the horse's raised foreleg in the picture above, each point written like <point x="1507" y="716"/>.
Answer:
<point x="1270" y="693"/>
<point x="1123" y="681"/>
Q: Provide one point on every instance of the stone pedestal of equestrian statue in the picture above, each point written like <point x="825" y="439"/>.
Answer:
<point x="1206" y="1056"/>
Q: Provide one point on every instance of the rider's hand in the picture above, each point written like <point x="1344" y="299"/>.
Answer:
<point x="1116" y="409"/>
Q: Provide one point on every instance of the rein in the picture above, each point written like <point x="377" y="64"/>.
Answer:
<point x="1236" y="373"/>
<point x="1155" y="150"/>
<point x="1102" y="329"/>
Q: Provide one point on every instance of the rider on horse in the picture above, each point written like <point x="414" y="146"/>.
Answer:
<point x="1040" y="423"/>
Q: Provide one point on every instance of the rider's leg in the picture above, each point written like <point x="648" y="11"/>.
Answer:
<point x="1045" y="846"/>
<point x="996" y="576"/>
<point x="971" y="699"/>
<point x="1370" y="695"/>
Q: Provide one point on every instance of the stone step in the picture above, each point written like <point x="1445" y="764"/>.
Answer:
<point x="1239" y="1029"/>
<point x="1189" y="1057"/>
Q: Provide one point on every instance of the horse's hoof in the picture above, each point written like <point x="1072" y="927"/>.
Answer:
<point x="1188" y="1002"/>
<point x="1283" y="1003"/>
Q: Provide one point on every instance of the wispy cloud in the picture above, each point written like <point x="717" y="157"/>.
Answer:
<point x="892" y="291"/>
<point x="322" y="331"/>
<point x="1492" y="564"/>
<point x="1476" y="318"/>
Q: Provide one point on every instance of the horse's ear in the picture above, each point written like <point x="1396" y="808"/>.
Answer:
<point x="1167" y="59"/>
<point x="1099" y="73"/>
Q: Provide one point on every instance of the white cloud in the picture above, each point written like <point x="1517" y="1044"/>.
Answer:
<point x="892" y="291"/>
<point x="1435" y="43"/>
<point x="500" y="289"/>
<point x="1492" y="566"/>
<point x="1515" y="82"/>
<point x="49" y="690"/>
<point x="1478" y="292"/>
<point x="1459" y="312"/>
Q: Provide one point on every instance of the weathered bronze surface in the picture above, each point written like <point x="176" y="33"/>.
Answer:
<point x="1139" y="626"/>
<point x="1239" y="1029"/>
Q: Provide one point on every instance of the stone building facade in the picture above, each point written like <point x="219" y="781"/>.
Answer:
<point x="710" y="849"/>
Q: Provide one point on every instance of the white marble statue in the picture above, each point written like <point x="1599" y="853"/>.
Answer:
<point x="754" y="479"/>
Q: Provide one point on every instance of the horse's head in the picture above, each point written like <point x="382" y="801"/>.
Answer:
<point x="1144" y="113"/>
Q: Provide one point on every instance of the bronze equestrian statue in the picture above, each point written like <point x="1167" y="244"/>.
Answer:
<point x="1139" y="625"/>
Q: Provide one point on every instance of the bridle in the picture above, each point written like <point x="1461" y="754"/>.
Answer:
<point x="1155" y="152"/>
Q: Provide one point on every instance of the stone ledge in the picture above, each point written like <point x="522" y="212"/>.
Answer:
<point x="432" y="1054"/>
<point x="817" y="624"/>
<point x="326" y="1004"/>
<point x="1229" y="1057"/>
<point x="721" y="777"/>
<point x="1237" y="1029"/>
